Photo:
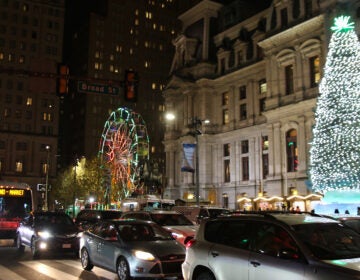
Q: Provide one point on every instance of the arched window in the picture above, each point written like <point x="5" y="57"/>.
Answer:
<point x="292" y="151"/>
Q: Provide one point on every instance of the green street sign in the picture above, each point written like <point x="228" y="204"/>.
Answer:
<point x="97" y="88"/>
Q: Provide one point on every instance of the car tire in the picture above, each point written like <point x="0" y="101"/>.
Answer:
<point x="34" y="249"/>
<point x="122" y="269"/>
<point x="205" y="275"/>
<point x="19" y="246"/>
<point x="85" y="260"/>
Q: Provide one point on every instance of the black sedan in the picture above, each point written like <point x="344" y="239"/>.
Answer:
<point x="132" y="248"/>
<point x="48" y="232"/>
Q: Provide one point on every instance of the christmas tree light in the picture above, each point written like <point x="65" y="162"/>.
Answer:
<point x="335" y="147"/>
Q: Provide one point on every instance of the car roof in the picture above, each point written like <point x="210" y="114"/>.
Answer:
<point x="286" y="217"/>
<point x="155" y="212"/>
<point x="49" y="213"/>
<point x="127" y="221"/>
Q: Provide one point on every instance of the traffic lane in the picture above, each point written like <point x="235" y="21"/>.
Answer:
<point x="48" y="267"/>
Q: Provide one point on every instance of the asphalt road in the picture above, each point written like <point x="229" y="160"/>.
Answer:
<point x="21" y="266"/>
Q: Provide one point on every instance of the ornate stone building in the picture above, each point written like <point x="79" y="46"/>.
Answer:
<point x="254" y="75"/>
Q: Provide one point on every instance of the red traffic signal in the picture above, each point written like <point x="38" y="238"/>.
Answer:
<point x="63" y="80"/>
<point x="130" y="85"/>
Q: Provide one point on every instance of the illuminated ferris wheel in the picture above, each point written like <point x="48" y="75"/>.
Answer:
<point x="124" y="145"/>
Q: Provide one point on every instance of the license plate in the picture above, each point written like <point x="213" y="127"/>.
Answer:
<point x="66" y="246"/>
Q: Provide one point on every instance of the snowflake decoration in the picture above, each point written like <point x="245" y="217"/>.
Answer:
<point x="342" y="24"/>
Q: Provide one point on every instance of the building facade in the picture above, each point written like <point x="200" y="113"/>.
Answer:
<point x="30" y="50"/>
<point x="255" y="78"/>
<point x="105" y="39"/>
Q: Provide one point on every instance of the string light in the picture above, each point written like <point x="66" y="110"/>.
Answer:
<point x="335" y="148"/>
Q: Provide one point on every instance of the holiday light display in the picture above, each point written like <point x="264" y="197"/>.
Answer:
<point x="123" y="145"/>
<point x="335" y="147"/>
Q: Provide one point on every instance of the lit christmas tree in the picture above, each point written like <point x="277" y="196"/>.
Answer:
<point x="335" y="148"/>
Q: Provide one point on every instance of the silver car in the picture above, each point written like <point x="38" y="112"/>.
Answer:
<point x="132" y="249"/>
<point x="180" y="227"/>
<point x="273" y="246"/>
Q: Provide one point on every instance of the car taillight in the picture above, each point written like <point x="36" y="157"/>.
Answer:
<point x="190" y="243"/>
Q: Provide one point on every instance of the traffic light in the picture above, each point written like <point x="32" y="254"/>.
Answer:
<point x="63" y="80"/>
<point x="131" y="81"/>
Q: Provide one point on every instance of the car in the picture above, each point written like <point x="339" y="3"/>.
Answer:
<point x="272" y="246"/>
<point x="131" y="249"/>
<point x="48" y="232"/>
<point x="348" y="220"/>
<point x="87" y="217"/>
<point x="176" y="223"/>
<point x="197" y="213"/>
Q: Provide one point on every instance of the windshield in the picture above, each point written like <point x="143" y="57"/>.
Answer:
<point x="330" y="241"/>
<point x="141" y="232"/>
<point x="169" y="219"/>
<point x="14" y="207"/>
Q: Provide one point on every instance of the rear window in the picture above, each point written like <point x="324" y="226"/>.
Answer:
<point x="230" y="233"/>
<point x="171" y="219"/>
<point x="109" y="215"/>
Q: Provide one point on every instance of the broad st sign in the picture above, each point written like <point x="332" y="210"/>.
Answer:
<point x="97" y="88"/>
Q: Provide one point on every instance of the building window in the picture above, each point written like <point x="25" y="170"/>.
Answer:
<point x="226" y="150"/>
<point x="265" y="165"/>
<point x="227" y="170"/>
<point x="2" y="145"/>
<point x="314" y="71"/>
<point x="243" y="112"/>
<point x="289" y="79"/>
<point x="265" y="143"/>
<point x="262" y="105"/>
<point x="245" y="168"/>
<point x="19" y="166"/>
<point x="242" y="92"/>
<point x="292" y="150"/>
<point x="225" y="116"/>
<point x="284" y="17"/>
<point x="28" y="101"/>
<point x="44" y="168"/>
<point x="225" y="98"/>
<point x="244" y="146"/>
<point x="21" y="146"/>
<point x="262" y="86"/>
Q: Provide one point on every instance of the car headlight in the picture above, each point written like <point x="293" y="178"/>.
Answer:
<point x="146" y="256"/>
<point x="45" y="234"/>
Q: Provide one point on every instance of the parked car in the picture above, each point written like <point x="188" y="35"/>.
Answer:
<point x="273" y="246"/>
<point x="197" y="213"/>
<point x="48" y="232"/>
<point x="87" y="217"/>
<point x="175" y="222"/>
<point x="132" y="248"/>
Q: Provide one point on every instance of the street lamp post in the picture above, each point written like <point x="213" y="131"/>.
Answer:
<point x="47" y="177"/>
<point x="196" y="125"/>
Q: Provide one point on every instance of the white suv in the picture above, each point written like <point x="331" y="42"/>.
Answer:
<point x="273" y="246"/>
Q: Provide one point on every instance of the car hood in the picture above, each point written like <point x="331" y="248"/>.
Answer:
<point x="161" y="249"/>
<point x="353" y="264"/>
<point x="58" y="229"/>
<point x="184" y="230"/>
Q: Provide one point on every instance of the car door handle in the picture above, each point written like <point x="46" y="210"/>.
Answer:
<point x="255" y="264"/>
<point x="214" y="254"/>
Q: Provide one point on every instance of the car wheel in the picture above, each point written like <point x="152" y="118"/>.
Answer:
<point x="85" y="260"/>
<point x="34" y="249"/>
<point x="19" y="246"/>
<point x="123" y="270"/>
<point x="205" y="275"/>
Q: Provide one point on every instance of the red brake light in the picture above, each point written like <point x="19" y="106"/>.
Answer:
<point x="190" y="243"/>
